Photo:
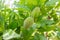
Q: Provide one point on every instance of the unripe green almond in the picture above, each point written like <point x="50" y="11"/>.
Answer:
<point x="28" y="22"/>
<point x="36" y="12"/>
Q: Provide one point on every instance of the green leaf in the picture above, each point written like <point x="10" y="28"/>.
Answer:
<point x="9" y="34"/>
<point x="39" y="37"/>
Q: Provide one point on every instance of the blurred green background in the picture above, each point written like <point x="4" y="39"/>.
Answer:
<point x="29" y="19"/>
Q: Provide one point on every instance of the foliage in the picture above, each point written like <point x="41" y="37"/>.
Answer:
<point x="30" y="20"/>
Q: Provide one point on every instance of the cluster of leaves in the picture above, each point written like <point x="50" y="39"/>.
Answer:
<point x="30" y="20"/>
